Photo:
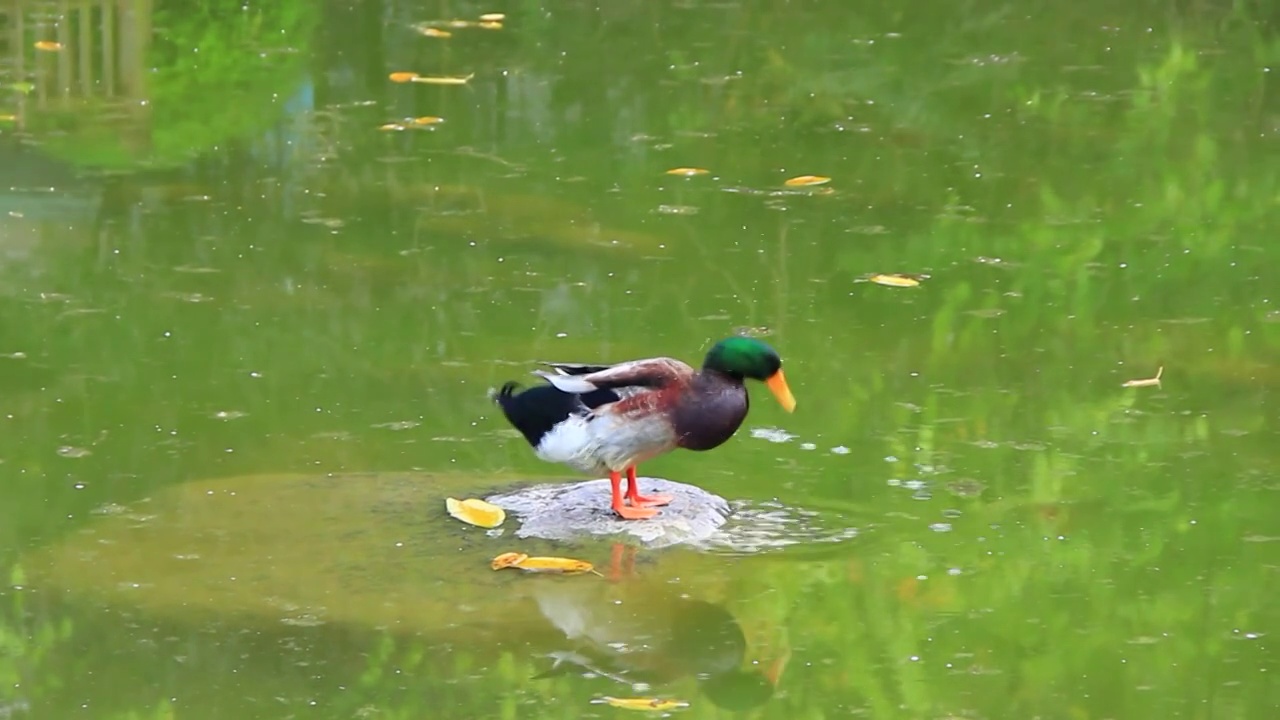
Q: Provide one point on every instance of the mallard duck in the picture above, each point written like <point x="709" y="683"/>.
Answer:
<point x="611" y="418"/>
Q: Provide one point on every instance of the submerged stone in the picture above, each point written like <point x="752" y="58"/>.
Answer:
<point x="380" y="550"/>
<point x="580" y="511"/>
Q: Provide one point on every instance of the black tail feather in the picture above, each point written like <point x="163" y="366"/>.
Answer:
<point x="535" y="411"/>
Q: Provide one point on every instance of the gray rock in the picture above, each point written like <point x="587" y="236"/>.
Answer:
<point x="578" y="511"/>
<point x="695" y="518"/>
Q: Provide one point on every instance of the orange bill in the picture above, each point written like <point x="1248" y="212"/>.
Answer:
<point x="778" y="386"/>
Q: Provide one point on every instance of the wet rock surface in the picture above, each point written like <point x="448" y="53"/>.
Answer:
<point x="580" y="511"/>
<point x="575" y="512"/>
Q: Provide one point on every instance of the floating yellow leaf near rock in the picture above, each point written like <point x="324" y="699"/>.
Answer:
<point x="506" y="560"/>
<point x="650" y="704"/>
<point x="555" y="565"/>
<point x="894" y="280"/>
<point x="475" y="512"/>
<point x="565" y="566"/>
<point x="1146" y="382"/>
<point x="807" y="180"/>
<point x="687" y="171"/>
<point x="48" y="45"/>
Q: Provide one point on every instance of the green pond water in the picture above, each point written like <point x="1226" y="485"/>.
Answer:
<point x="247" y="336"/>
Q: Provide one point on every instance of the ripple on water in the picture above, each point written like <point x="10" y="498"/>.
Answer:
<point x="965" y="488"/>
<point x="397" y="425"/>
<point x="773" y="435"/>
<point x="756" y="527"/>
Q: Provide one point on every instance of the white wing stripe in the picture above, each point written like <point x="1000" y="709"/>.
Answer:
<point x="567" y="383"/>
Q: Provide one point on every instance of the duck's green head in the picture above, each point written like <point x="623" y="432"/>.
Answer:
<point x="747" y="357"/>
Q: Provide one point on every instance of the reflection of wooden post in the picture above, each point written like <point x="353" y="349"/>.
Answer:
<point x="90" y="58"/>
<point x="108" y="50"/>
<point x="20" y="55"/>
<point x="135" y="40"/>
<point x="84" y="47"/>
<point x="13" y="45"/>
<point x="19" y="32"/>
<point x="63" y="37"/>
<point x="103" y="52"/>
<point x="135" y="43"/>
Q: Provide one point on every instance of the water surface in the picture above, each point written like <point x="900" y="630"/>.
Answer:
<point x="248" y="336"/>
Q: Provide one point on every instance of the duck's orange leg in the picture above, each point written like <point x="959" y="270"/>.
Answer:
<point x="624" y="511"/>
<point x="638" y="500"/>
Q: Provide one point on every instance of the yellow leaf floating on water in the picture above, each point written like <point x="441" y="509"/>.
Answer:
<point x="894" y="280"/>
<point x="444" y="79"/>
<point x="404" y="77"/>
<point x="649" y="704"/>
<point x="493" y="17"/>
<point x="48" y="45"/>
<point x="555" y="565"/>
<point x="565" y="566"/>
<point x="508" y="559"/>
<point x="687" y="171"/>
<point x="1146" y="382"/>
<point x="807" y="180"/>
<point x="417" y="123"/>
<point x="475" y="512"/>
<point x="432" y="32"/>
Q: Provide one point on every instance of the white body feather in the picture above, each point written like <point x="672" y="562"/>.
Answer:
<point x="603" y="442"/>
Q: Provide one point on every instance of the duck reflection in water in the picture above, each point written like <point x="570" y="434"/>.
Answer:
<point x="646" y="635"/>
